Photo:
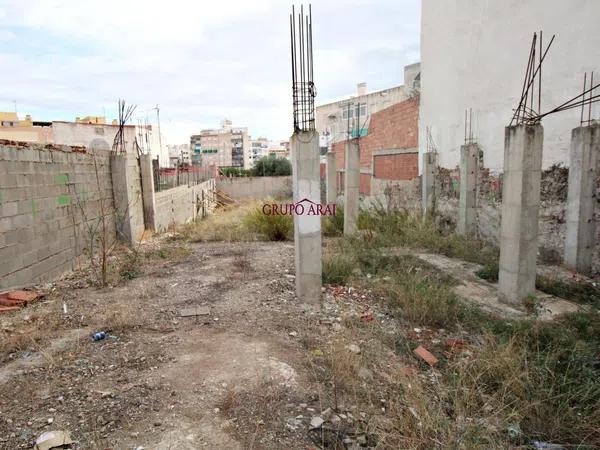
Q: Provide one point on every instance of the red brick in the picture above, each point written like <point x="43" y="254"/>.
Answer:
<point x="6" y="301"/>
<point x="422" y="353"/>
<point x="23" y="296"/>
<point x="4" y="309"/>
<point x="395" y="127"/>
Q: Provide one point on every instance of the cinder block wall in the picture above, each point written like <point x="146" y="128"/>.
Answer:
<point x="182" y="204"/>
<point x="50" y="209"/>
<point x="256" y="187"/>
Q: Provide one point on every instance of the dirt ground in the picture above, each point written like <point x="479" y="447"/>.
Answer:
<point x="237" y="378"/>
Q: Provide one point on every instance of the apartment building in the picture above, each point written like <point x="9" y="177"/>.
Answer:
<point x="352" y="115"/>
<point x="227" y="146"/>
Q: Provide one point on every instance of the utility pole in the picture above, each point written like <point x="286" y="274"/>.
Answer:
<point x="159" y="137"/>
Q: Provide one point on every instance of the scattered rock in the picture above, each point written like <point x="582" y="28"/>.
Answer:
<point x="353" y="348"/>
<point x="316" y="422"/>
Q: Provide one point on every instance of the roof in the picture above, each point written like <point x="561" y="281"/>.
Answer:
<point x="9" y="116"/>
<point x="350" y="97"/>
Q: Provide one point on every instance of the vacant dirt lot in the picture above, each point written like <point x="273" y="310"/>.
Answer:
<point x="254" y="369"/>
<point x="240" y="377"/>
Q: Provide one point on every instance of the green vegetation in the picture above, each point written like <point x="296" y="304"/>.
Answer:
<point x="243" y="222"/>
<point x="267" y="166"/>
<point x="271" y="165"/>
<point x="543" y="377"/>
<point x="271" y="227"/>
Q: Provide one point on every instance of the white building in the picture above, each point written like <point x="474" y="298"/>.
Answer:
<point x="333" y="119"/>
<point x="474" y="55"/>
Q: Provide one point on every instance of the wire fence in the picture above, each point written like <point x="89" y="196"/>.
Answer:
<point x="168" y="178"/>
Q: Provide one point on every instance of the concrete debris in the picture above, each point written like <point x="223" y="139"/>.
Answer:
<point x="195" y="311"/>
<point x="426" y="356"/>
<point x="316" y="422"/>
<point x="53" y="440"/>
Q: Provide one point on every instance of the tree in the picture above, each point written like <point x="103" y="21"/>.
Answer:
<point x="271" y="166"/>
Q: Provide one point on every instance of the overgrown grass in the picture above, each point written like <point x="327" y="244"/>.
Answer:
<point x="269" y="226"/>
<point x="243" y="222"/>
<point x="543" y="378"/>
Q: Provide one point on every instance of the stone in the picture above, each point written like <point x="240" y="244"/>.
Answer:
<point x="353" y="348"/>
<point x="316" y="422"/>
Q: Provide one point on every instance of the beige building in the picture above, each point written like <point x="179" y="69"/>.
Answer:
<point x="92" y="132"/>
<point x="225" y="147"/>
<point x="334" y="119"/>
<point x="14" y="129"/>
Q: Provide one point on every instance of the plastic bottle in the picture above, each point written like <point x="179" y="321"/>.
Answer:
<point x="99" y="336"/>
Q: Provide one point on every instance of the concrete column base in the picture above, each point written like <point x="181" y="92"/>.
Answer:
<point x="351" y="187"/>
<point x="523" y="145"/>
<point x="581" y="200"/>
<point x="307" y="228"/>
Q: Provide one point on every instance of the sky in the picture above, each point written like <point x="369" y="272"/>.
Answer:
<point x="200" y="61"/>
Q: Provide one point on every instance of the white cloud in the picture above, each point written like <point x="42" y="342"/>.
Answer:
<point x="201" y="61"/>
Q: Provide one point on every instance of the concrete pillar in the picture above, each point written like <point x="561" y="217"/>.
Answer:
<point x="523" y="146"/>
<point x="148" y="195"/>
<point x="307" y="228"/>
<point x="122" y="181"/>
<point x="428" y="195"/>
<point x="330" y="178"/>
<point x="351" y="187"/>
<point x="469" y="167"/>
<point x="581" y="225"/>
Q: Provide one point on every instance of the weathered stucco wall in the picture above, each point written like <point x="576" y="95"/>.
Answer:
<point x="183" y="203"/>
<point x="256" y="187"/>
<point x="474" y="54"/>
<point x="49" y="200"/>
<point x="552" y="225"/>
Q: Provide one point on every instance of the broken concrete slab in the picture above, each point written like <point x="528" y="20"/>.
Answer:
<point x="486" y="295"/>
<point x="195" y="311"/>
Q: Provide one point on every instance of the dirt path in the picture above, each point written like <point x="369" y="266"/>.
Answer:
<point x="170" y="382"/>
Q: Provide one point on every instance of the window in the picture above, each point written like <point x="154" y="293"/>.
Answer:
<point x="99" y="130"/>
<point x="348" y="112"/>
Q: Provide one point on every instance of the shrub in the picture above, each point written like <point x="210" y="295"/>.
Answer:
<point x="337" y="268"/>
<point x="271" y="166"/>
<point x="334" y="225"/>
<point x="269" y="226"/>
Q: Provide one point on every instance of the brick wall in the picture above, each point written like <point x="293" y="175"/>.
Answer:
<point x="49" y="198"/>
<point x="402" y="166"/>
<point x="392" y="128"/>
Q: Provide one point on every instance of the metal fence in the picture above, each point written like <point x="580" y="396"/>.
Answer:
<point x="167" y="178"/>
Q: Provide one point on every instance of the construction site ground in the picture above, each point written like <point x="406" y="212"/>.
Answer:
<point x="208" y="347"/>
